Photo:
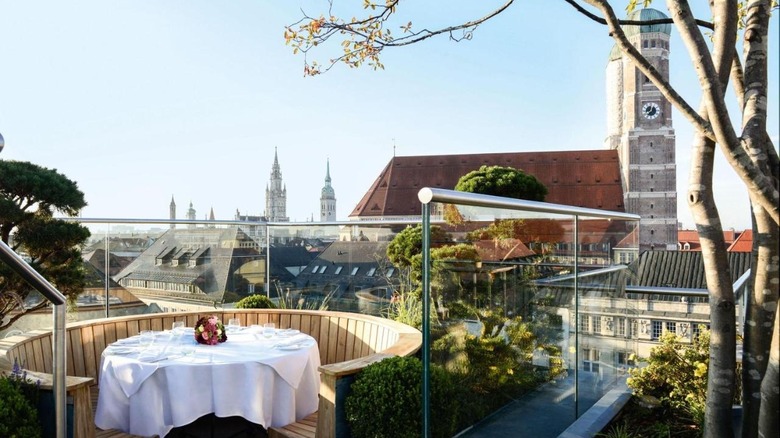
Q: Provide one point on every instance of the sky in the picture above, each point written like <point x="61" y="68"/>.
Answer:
<point x="139" y="101"/>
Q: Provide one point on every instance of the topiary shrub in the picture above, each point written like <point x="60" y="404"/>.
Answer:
<point x="255" y="302"/>
<point x="18" y="412"/>
<point x="386" y="400"/>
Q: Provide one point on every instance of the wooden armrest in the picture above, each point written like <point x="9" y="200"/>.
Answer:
<point x="353" y="366"/>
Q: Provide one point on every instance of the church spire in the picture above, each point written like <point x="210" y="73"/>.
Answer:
<point x="172" y="211"/>
<point x="327" y="198"/>
<point x="276" y="194"/>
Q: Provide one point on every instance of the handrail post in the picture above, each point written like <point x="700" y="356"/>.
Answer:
<point x="426" y="316"/>
<point x="58" y="376"/>
<point x="39" y="283"/>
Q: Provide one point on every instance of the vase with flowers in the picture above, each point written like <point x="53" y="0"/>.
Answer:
<point x="210" y="331"/>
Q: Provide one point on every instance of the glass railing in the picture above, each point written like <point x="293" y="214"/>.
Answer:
<point x="521" y="300"/>
<point x="532" y="308"/>
<point x="535" y="321"/>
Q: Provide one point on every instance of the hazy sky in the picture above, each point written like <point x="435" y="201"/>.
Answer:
<point x="141" y="100"/>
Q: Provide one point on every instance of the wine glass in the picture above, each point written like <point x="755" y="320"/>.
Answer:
<point x="147" y="338"/>
<point x="269" y="329"/>
<point x="233" y="325"/>
<point x="177" y="327"/>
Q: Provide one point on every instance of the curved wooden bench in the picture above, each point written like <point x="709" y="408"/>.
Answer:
<point x="347" y="341"/>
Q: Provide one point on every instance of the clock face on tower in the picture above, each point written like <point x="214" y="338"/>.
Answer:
<point x="651" y="110"/>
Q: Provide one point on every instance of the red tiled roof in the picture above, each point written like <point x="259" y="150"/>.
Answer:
<point x="579" y="178"/>
<point x="731" y="237"/>
<point x="500" y="250"/>
<point x="743" y="243"/>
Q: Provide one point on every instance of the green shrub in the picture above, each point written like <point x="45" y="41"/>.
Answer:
<point x="255" y="302"/>
<point x="386" y="400"/>
<point x="676" y="374"/>
<point x="18" y="399"/>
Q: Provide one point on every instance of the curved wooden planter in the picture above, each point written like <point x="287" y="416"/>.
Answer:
<point x="347" y="341"/>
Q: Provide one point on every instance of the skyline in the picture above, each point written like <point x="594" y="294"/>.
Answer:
<point x="140" y="101"/>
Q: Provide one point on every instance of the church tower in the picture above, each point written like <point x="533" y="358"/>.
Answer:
<point x="191" y="215"/>
<point x="172" y="211"/>
<point x="327" y="199"/>
<point x="639" y="126"/>
<point x="276" y="195"/>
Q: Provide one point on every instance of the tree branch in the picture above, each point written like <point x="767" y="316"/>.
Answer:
<point x="597" y="19"/>
<point x="767" y="195"/>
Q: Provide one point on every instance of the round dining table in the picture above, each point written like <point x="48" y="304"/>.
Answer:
<point x="153" y="383"/>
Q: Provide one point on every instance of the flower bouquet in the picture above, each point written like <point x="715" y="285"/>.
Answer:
<point x="210" y="331"/>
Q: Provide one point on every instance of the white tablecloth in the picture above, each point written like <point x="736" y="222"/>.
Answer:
<point x="148" y="390"/>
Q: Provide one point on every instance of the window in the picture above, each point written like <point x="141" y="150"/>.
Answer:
<point x="338" y="270"/>
<point x="390" y="272"/>
<point x="370" y="272"/>
<point x="323" y="268"/>
<point x="671" y="327"/>
<point x="354" y="270"/>
<point x="314" y="270"/>
<point x="634" y="329"/>
<point x="657" y="329"/>
<point x="621" y="327"/>
<point x="596" y="324"/>
<point x="584" y="323"/>
<point x="652" y="44"/>
<point x="590" y="360"/>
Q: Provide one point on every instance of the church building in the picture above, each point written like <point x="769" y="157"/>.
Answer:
<point x="634" y="173"/>
<point x="639" y="127"/>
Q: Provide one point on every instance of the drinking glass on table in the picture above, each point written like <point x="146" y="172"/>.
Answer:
<point x="147" y="338"/>
<point x="233" y="325"/>
<point x="269" y="329"/>
<point x="177" y="327"/>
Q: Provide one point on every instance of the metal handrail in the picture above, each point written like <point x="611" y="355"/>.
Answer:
<point x="36" y="280"/>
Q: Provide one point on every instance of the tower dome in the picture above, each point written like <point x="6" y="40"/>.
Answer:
<point x="647" y="14"/>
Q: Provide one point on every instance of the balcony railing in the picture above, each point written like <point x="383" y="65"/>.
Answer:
<point x="555" y="274"/>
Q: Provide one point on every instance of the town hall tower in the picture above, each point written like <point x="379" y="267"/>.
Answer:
<point x="276" y="195"/>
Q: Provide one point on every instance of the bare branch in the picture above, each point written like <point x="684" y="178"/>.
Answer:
<point x="597" y="19"/>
